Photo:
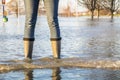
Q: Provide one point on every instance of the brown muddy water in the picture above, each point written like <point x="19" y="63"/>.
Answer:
<point x="90" y="50"/>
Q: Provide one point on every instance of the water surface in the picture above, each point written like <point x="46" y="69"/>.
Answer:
<point x="89" y="41"/>
<point x="62" y="74"/>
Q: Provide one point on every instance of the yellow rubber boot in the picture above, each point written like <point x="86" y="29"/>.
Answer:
<point x="56" y="48"/>
<point x="28" y="48"/>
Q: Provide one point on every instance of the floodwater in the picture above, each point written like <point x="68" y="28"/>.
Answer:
<point x="62" y="74"/>
<point x="90" y="50"/>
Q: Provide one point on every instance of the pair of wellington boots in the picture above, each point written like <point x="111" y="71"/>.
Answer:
<point x="28" y="48"/>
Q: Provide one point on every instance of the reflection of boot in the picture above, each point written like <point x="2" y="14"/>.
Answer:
<point x="56" y="48"/>
<point x="56" y="74"/>
<point x="28" y="75"/>
<point x="28" y="48"/>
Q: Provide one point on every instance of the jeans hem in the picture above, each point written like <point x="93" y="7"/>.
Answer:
<point x="55" y="39"/>
<point x="28" y="39"/>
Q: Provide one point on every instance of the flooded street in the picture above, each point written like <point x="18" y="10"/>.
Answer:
<point x="90" y="45"/>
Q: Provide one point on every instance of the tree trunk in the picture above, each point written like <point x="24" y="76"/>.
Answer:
<point x="112" y="15"/>
<point x="92" y="14"/>
<point x="98" y="14"/>
<point x="112" y="9"/>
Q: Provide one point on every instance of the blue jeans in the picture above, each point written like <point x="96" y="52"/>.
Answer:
<point x="31" y="8"/>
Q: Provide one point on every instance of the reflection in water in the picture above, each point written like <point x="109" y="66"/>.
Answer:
<point x="62" y="74"/>
<point x="28" y="74"/>
<point x="56" y="74"/>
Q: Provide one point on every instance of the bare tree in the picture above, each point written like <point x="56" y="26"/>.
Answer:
<point x="98" y="7"/>
<point x="12" y="6"/>
<point x="89" y="4"/>
<point x="111" y="5"/>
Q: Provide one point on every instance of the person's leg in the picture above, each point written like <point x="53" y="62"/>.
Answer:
<point x="52" y="17"/>
<point x="31" y="8"/>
